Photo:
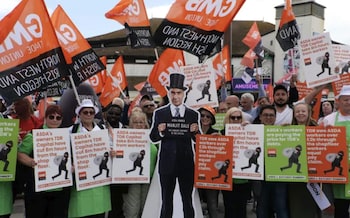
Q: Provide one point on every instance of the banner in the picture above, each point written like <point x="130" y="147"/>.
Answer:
<point x="196" y="26"/>
<point x="83" y="61"/>
<point x="214" y="162"/>
<point x="91" y="159"/>
<point x="8" y="148"/>
<point x="169" y="61"/>
<point x="288" y="31"/>
<point x="51" y="150"/>
<point x="133" y="156"/>
<point x="30" y="55"/>
<point x="115" y="83"/>
<point x="132" y="14"/>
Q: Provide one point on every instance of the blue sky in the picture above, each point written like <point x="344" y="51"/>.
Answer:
<point x="88" y="15"/>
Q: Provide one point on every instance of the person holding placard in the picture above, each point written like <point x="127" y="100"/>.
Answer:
<point x="341" y="118"/>
<point x="210" y="196"/>
<point x="48" y="203"/>
<point x="307" y="208"/>
<point x="93" y="202"/>
<point x="235" y="201"/>
<point x="135" y="198"/>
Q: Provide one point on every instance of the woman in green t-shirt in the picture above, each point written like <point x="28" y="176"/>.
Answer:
<point x="45" y="204"/>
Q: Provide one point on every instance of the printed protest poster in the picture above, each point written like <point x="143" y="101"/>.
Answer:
<point x="303" y="91"/>
<point x="342" y="58"/>
<point x="8" y="148"/>
<point x="327" y="154"/>
<point x="91" y="156"/>
<point x="213" y="162"/>
<point x="337" y="85"/>
<point x="219" y="124"/>
<point x="285" y="153"/>
<point x="51" y="150"/>
<point x="318" y="60"/>
<point x="132" y="161"/>
<point x="248" y="150"/>
<point x="202" y="91"/>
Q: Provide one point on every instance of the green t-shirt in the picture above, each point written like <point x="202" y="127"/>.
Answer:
<point x="5" y="198"/>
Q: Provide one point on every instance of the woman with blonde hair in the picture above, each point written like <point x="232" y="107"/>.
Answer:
<point x="134" y="200"/>
<point x="235" y="201"/>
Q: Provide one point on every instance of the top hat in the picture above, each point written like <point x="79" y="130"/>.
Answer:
<point x="177" y="81"/>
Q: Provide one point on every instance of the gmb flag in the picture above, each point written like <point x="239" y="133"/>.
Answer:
<point x="196" y="26"/>
<point x="288" y="32"/>
<point x="30" y="55"/>
<point x="78" y="53"/>
<point x="132" y="14"/>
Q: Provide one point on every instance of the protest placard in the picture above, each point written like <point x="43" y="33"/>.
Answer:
<point x="213" y="162"/>
<point x="91" y="154"/>
<point x="8" y="148"/>
<point x="248" y="150"/>
<point x="285" y="154"/>
<point x="51" y="150"/>
<point x="132" y="161"/>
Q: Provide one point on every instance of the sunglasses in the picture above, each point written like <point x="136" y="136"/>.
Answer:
<point x="207" y="116"/>
<point x="268" y="115"/>
<point x="88" y="112"/>
<point x="52" y="117"/>
<point x="235" y="117"/>
<point x="148" y="105"/>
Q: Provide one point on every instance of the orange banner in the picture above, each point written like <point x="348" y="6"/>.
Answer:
<point x="30" y="55"/>
<point x="115" y="83"/>
<point x="169" y="61"/>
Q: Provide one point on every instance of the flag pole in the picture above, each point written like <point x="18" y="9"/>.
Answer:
<point x="74" y="87"/>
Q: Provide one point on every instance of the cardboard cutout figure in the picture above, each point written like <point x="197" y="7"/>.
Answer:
<point x="175" y="126"/>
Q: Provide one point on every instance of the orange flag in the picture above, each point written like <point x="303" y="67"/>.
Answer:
<point x="253" y="40"/>
<point x="30" y="55"/>
<point x="169" y="62"/>
<point x="97" y="81"/>
<point x="132" y="14"/>
<point x="115" y="83"/>
<point x="248" y="59"/>
<point x="196" y="26"/>
<point x="222" y="66"/>
<point x="288" y="32"/>
<point x="83" y="60"/>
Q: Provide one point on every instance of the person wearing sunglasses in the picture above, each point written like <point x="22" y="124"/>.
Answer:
<point x="148" y="107"/>
<point x="93" y="202"/>
<point x="210" y="196"/>
<point x="235" y="201"/>
<point x="47" y="203"/>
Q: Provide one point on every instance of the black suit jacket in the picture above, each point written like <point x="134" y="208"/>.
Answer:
<point x="176" y="151"/>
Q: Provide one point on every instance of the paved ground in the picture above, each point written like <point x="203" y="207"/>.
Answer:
<point x="19" y="210"/>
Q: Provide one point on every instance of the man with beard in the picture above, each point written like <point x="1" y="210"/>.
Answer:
<point x="282" y="100"/>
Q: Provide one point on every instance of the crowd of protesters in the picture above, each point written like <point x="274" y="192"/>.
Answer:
<point x="274" y="199"/>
